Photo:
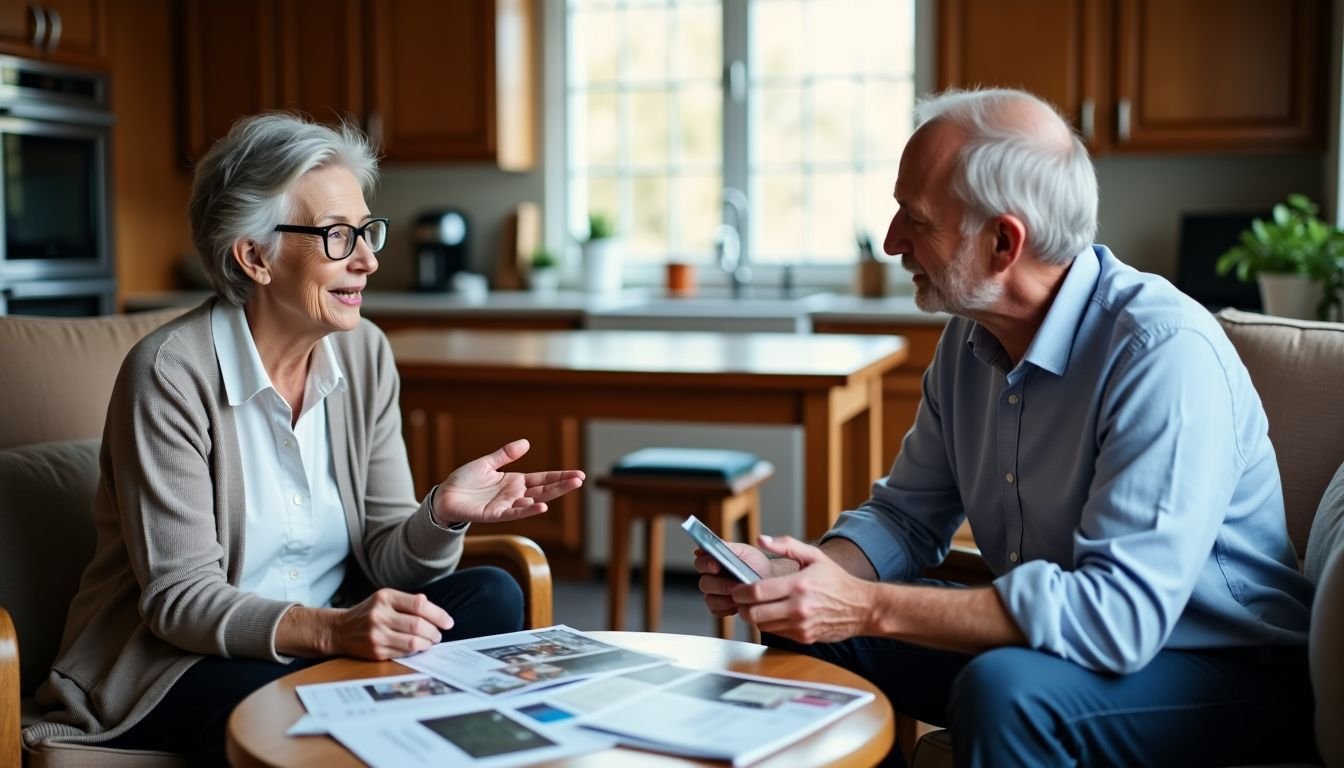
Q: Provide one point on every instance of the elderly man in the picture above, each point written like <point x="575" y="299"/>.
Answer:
<point x="1103" y="439"/>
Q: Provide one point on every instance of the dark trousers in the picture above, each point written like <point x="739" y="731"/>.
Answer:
<point x="191" y="720"/>
<point x="1015" y="706"/>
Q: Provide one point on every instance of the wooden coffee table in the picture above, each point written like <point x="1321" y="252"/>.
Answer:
<point x="257" y="727"/>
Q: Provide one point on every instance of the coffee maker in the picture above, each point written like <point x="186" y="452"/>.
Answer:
<point x="440" y="248"/>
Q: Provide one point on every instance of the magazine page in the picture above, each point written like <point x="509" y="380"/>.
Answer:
<point x="370" y="696"/>
<point x="727" y="715"/>
<point x="519" y="662"/>
<point x="480" y="735"/>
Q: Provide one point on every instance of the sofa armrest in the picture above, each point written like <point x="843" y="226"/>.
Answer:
<point x="9" y="691"/>
<point x="523" y="560"/>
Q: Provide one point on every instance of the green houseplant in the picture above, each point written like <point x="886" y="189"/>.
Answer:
<point x="1296" y="251"/>
<point x="544" y="271"/>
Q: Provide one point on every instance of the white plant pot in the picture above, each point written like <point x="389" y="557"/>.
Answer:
<point x="545" y="281"/>
<point x="602" y="266"/>
<point x="1289" y="295"/>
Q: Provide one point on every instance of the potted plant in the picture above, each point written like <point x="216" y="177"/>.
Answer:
<point x="544" y="271"/>
<point x="1297" y="260"/>
<point x="601" y="256"/>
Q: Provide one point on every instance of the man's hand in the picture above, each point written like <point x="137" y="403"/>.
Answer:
<point x="478" y="492"/>
<point x="388" y="625"/>
<point x="718" y="586"/>
<point x="820" y="603"/>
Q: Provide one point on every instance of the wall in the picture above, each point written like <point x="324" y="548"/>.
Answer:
<point x="150" y="186"/>
<point x="1143" y="197"/>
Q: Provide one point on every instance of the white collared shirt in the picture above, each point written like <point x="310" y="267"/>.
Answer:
<point x="296" y="540"/>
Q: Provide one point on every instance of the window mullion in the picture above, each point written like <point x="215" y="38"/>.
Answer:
<point x="736" y="114"/>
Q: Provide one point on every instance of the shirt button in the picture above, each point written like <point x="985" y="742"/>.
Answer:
<point x="287" y="443"/>
<point x="1012" y="556"/>
<point x="1009" y="477"/>
<point x="294" y="573"/>
<point x="1012" y="399"/>
<point x="298" y="499"/>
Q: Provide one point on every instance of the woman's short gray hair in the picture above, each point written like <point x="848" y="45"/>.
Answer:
<point x="241" y="187"/>
<point x="1001" y="169"/>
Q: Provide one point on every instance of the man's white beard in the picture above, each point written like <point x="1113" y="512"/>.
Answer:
<point x="960" y="293"/>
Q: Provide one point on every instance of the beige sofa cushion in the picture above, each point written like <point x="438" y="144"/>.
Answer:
<point x="1297" y="366"/>
<point x="61" y="389"/>
<point x="46" y="539"/>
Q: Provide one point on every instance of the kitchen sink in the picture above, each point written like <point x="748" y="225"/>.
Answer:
<point x="759" y="310"/>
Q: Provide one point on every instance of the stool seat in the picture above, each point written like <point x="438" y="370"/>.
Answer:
<point x="720" y="487"/>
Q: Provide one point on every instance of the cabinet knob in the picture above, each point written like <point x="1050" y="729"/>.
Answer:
<point x="39" y="25"/>
<point x="54" y="39"/>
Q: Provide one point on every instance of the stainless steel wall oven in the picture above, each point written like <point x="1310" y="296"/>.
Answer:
<point x="55" y="207"/>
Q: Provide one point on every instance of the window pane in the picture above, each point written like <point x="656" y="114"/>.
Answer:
<point x="648" y="129"/>
<point x="646" y="44"/>
<point x="831" y="31"/>
<point x="777" y="39"/>
<point x="602" y="138"/>
<point x="593" y="47"/>
<point x="604" y="197"/>
<point x="699" y="42"/>
<point x="779" y="226"/>
<point x="887" y="109"/>
<point x="649" y="204"/>
<point x="778" y="137"/>
<point x="700" y="126"/>
<point x="876" y="203"/>
<point x="832" y="108"/>
<point x="886" y="37"/>
<point x="698" y="203"/>
<point x="833" y="217"/>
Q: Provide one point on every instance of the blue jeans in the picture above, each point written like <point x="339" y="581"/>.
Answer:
<point x="193" y="717"/>
<point x="1016" y="706"/>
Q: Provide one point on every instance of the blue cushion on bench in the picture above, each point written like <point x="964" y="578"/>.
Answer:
<point x="686" y="462"/>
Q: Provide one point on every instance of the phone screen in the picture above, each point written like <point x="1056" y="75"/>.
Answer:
<point x="717" y="549"/>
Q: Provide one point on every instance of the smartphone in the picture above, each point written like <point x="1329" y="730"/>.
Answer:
<point x="717" y="549"/>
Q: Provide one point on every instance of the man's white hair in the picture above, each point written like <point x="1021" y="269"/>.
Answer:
<point x="1006" y="167"/>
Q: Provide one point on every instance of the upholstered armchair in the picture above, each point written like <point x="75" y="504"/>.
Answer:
<point x="56" y="377"/>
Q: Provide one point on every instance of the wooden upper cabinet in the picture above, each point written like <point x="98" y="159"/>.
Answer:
<point x="67" y="31"/>
<point x="227" y="67"/>
<point x="1234" y="74"/>
<point x="453" y="81"/>
<point x="321" y="59"/>
<point x="981" y="44"/>
<point x="1153" y="75"/>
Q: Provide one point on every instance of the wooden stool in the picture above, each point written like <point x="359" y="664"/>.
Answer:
<point x="719" y="487"/>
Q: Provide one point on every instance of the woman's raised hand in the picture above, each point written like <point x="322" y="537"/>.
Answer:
<point x="478" y="492"/>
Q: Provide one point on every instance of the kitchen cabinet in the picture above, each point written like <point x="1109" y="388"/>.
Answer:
<point x="429" y="81"/>
<point x="454" y="81"/>
<point x="1153" y="75"/>
<point x="66" y="31"/>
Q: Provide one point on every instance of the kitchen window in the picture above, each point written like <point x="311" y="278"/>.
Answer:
<point x="804" y="105"/>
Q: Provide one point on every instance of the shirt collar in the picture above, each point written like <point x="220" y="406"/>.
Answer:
<point x="1053" y="344"/>
<point x="240" y="364"/>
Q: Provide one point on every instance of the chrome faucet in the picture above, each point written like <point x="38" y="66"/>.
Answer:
<point x="728" y="246"/>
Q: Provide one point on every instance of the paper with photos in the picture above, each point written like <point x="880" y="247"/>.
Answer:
<point x="371" y="696"/>
<point x="526" y="661"/>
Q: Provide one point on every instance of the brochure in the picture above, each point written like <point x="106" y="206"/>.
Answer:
<point x="457" y="732"/>
<point x="721" y="715"/>
<point x="526" y="661"/>
<point x="372" y="696"/>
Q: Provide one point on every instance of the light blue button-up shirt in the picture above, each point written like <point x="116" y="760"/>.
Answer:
<point x="1119" y="479"/>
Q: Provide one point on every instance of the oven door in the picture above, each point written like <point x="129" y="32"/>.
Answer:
<point x="53" y="192"/>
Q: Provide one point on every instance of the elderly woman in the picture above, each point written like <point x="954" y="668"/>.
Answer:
<point x="256" y="511"/>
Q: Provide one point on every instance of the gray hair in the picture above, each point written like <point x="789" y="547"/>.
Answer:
<point x="1003" y="169"/>
<point x="241" y="189"/>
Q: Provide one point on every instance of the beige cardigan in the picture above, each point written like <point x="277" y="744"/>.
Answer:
<point x="161" y="591"/>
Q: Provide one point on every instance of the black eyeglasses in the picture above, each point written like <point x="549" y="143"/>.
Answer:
<point x="338" y="240"/>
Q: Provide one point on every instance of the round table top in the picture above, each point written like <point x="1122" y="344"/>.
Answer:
<point x="256" y="735"/>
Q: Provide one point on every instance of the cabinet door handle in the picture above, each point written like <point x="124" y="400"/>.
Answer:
<point x="39" y="25"/>
<point x="1122" y="120"/>
<point x="1088" y="120"/>
<point x="54" y="39"/>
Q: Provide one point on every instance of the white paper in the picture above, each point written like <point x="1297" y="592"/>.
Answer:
<point x="371" y="696"/>
<point x="520" y="662"/>
<point x="483" y="736"/>
<point x="724" y="715"/>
